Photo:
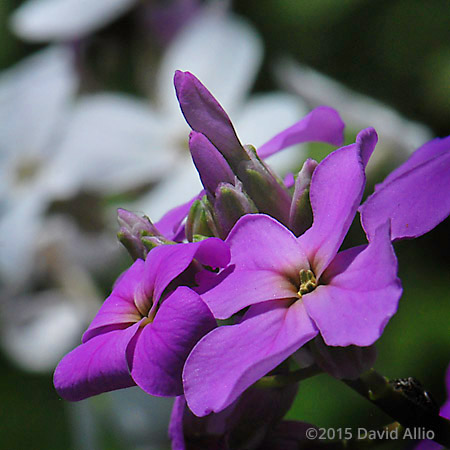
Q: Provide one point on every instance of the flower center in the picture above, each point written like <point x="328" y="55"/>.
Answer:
<point x="149" y="318"/>
<point x="144" y="304"/>
<point x="308" y="282"/>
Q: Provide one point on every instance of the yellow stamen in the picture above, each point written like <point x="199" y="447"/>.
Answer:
<point x="308" y="282"/>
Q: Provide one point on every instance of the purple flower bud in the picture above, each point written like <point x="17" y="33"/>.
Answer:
<point x="300" y="215"/>
<point x="211" y="165"/>
<point x="132" y="228"/>
<point x="204" y="115"/>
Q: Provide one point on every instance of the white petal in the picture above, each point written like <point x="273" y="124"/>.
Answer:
<point x="265" y="115"/>
<point x="60" y="20"/>
<point x="20" y="223"/>
<point x="182" y="184"/>
<point x="131" y="410"/>
<point x="358" y="111"/>
<point x="34" y="95"/>
<point x="92" y="252"/>
<point x="113" y="142"/>
<point x="222" y="50"/>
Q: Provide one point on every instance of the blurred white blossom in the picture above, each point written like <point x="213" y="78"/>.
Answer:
<point x="35" y="100"/>
<point x="123" y="142"/>
<point x="63" y="20"/>
<point x="398" y="136"/>
<point x="39" y="327"/>
<point x="55" y="144"/>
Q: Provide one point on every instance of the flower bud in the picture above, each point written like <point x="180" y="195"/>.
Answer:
<point x="230" y="203"/>
<point x="211" y="165"/>
<point x="200" y="222"/>
<point x="264" y="188"/>
<point x="300" y="214"/>
<point x="132" y="228"/>
<point x="204" y="115"/>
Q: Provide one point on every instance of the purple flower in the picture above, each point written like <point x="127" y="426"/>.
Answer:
<point x="295" y="287"/>
<point x="444" y="412"/>
<point x="415" y="197"/>
<point x="145" y="329"/>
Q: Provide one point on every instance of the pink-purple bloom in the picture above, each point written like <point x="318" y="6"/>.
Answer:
<point x="145" y="329"/>
<point x="295" y="287"/>
<point x="278" y="276"/>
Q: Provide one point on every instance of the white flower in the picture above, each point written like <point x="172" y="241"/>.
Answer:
<point x="38" y="328"/>
<point x="35" y="98"/>
<point x="62" y="20"/>
<point x="396" y="133"/>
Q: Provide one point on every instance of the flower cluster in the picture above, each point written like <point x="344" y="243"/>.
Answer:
<point x="227" y="288"/>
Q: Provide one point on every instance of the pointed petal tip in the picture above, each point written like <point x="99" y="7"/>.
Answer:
<point x="322" y="124"/>
<point x="334" y="117"/>
<point x="181" y="77"/>
<point x="366" y="140"/>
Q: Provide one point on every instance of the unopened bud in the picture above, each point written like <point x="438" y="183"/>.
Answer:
<point x="300" y="215"/>
<point x="264" y="188"/>
<point x="132" y="228"/>
<point x="230" y="203"/>
<point x="200" y="221"/>
<point x="211" y="165"/>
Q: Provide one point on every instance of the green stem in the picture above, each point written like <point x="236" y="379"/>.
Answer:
<point x="393" y="402"/>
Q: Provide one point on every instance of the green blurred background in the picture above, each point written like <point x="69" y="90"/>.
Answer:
<point x="397" y="51"/>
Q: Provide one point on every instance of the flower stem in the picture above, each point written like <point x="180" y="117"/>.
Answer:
<point x="405" y="409"/>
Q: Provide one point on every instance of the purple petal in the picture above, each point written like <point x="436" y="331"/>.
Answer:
<point x="259" y="242"/>
<point x="163" y="346"/>
<point x="119" y="309"/>
<point x="415" y="200"/>
<point x="204" y="114"/>
<point x="211" y="165"/>
<point x="428" y="445"/>
<point x="361" y="295"/>
<point x="336" y="189"/>
<point x="322" y="124"/>
<point x="265" y="262"/>
<point x="169" y="261"/>
<point x="231" y="358"/>
<point x="170" y="223"/>
<point x="243" y="288"/>
<point x="289" y="180"/>
<point x="176" y="432"/>
<point x="366" y="141"/>
<point x="428" y="151"/>
<point x="99" y="365"/>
